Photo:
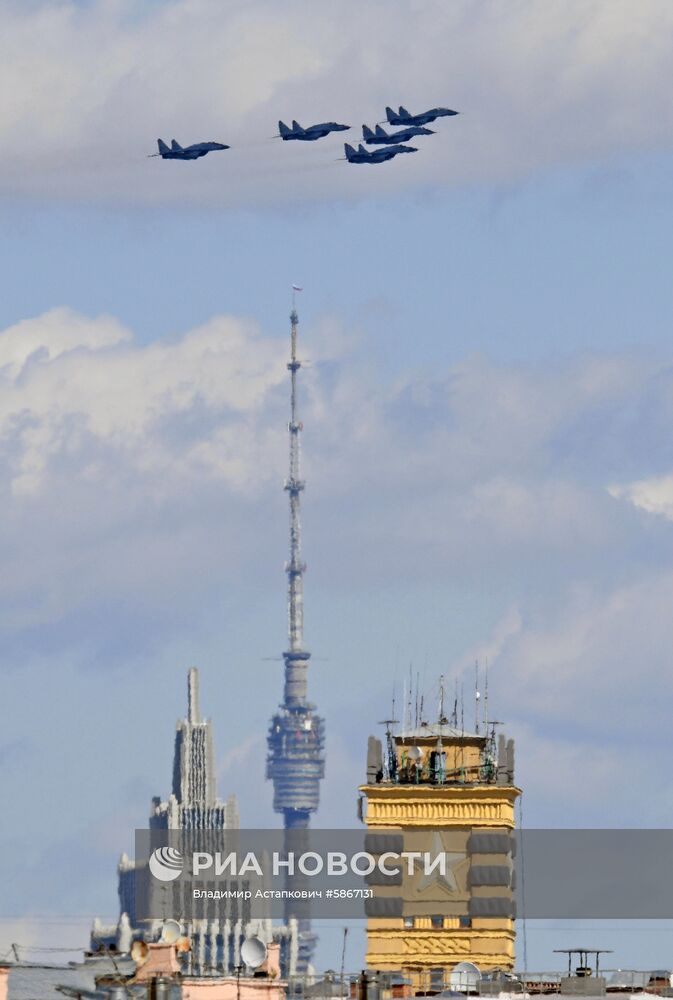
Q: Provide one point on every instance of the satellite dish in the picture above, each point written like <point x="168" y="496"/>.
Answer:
<point x="170" y="932"/>
<point x="253" y="952"/>
<point x="464" y="976"/>
<point x="139" y="952"/>
<point x="183" y="944"/>
<point x="414" y="753"/>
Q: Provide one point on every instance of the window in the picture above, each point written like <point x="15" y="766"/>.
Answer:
<point x="437" y="921"/>
<point x="464" y="921"/>
<point x="436" y="979"/>
<point x="408" y="921"/>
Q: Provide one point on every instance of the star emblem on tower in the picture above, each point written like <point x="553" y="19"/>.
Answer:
<point x="445" y="881"/>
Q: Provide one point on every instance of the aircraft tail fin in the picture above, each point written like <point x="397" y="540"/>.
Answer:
<point x="296" y="126"/>
<point x="404" y="113"/>
<point x="348" y="150"/>
<point x="380" y="131"/>
<point x="361" y="149"/>
<point x="283" y="129"/>
<point x="390" y="115"/>
<point x="163" y="148"/>
<point x="367" y="132"/>
<point x="175" y="146"/>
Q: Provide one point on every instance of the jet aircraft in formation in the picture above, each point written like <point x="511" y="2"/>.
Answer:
<point x="362" y="155"/>
<point x="390" y="143"/>
<point x="177" y="152"/>
<point x="404" y="117"/>
<point x="311" y="133"/>
<point x="379" y="137"/>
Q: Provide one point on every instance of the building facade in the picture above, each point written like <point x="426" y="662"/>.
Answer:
<point x="437" y="789"/>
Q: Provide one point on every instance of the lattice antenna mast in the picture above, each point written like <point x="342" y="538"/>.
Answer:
<point x="296" y="740"/>
<point x="294" y="486"/>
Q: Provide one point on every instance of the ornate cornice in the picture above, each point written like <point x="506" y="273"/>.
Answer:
<point x="439" y="948"/>
<point x="437" y="806"/>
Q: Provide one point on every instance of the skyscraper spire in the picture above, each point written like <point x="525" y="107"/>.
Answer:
<point x="296" y="761"/>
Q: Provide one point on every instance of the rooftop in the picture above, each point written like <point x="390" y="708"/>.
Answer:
<point x="436" y="731"/>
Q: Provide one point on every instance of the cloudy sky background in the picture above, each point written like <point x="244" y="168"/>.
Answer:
<point x="488" y="403"/>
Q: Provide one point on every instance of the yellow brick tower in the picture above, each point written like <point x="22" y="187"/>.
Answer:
<point x="436" y="788"/>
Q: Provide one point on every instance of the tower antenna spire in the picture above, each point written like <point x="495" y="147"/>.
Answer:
<point x="294" y="485"/>
<point x="296" y="759"/>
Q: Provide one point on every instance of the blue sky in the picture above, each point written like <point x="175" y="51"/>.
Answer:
<point x="488" y="401"/>
<point x="533" y="270"/>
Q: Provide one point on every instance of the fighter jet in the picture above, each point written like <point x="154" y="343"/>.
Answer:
<point x="311" y="133"/>
<point x="404" y="117"/>
<point x="178" y="152"/>
<point x="381" y="138"/>
<point x="362" y="155"/>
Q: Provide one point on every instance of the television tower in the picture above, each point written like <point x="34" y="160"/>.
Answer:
<point x="296" y="760"/>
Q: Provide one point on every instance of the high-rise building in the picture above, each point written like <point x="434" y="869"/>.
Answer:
<point x="436" y="788"/>
<point x="192" y="807"/>
<point x="193" y="803"/>
<point x="296" y="761"/>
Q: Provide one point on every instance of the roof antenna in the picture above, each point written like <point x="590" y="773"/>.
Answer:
<point x="462" y="731"/>
<point x="409" y="696"/>
<point x="486" y="696"/>
<point x="477" y="696"/>
<point x="441" y="718"/>
<point x="440" y="769"/>
<point x="390" y="766"/>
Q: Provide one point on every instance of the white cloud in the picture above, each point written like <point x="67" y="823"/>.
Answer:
<point x="53" y="334"/>
<point x="147" y="474"/>
<point x="86" y="89"/>
<point x="653" y="495"/>
<point x="63" y="384"/>
<point x="597" y="663"/>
